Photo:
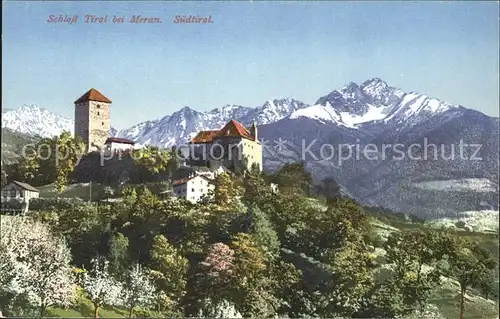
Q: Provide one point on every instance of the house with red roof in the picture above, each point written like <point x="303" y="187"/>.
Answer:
<point x="193" y="188"/>
<point x="234" y="145"/>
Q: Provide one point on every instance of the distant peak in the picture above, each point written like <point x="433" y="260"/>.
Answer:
<point x="351" y="87"/>
<point x="186" y="109"/>
<point x="31" y="106"/>
<point x="374" y="81"/>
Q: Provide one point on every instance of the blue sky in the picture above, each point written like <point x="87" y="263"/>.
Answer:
<point x="252" y="52"/>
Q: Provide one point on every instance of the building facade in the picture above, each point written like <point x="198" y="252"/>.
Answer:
<point x="192" y="189"/>
<point x="235" y="146"/>
<point x="116" y="144"/>
<point x="19" y="190"/>
<point x="92" y="119"/>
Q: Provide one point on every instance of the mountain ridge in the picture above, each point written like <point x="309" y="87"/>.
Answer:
<point x="358" y="114"/>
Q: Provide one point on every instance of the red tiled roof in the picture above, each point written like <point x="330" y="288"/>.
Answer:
<point x="93" y="95"/>
<point x="119" y="140"/>
<point x="182" y="181"/>
<point x="232" y="128"/>
<point x="204" y="136"/>
<point x="187" y="179"/>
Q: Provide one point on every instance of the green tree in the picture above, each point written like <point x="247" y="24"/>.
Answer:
<point x="294" y="179"/>
<point x="409" y="252"/>
<point x="469" y="263"/>
<point x="108" y="192"/>
<point x="169" y="269"/>
<point x="51" y="160"/>
<point x="150" y="161"/>
<point x="352" y="277"/>
<point x="225" y="193"/>
<point x="129" y="195"/>
<point x="118" y="254"/>
<point x="330" y="189"/>
<point x="257" y="190"/>
<point x="261" y="228"/>
<point x="250" y="275"/>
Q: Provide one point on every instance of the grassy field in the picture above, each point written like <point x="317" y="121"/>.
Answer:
<point x="82" y="191"/>
<point x="446" y="297"/>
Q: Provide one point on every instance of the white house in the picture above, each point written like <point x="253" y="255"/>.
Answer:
<point x="192" y="188"/>
<point x="19" y="190"/>
<point x="274" y="188"/>
<point x="210" y="173"/>
<point x="117" y="144"/>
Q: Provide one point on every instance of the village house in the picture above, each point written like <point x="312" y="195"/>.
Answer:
<point x="193" y="188"/>
<point x="233" y="146"/>
<point x="19" y="190"/>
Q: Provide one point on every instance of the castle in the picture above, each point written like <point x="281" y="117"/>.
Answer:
<point x="92" y="123"/>
<point x="233" y="146"/>
<point x="92" y="119"/>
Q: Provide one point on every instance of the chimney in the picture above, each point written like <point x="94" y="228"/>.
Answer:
<point x="253" y="131"/>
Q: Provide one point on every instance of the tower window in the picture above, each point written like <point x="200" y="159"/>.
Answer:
<point x="98" y="106"/>
<point x="98" y="113"/>
<point x="102" y="123"/>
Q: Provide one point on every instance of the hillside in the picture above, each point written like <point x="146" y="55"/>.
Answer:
<point x="444" y="300"/>
<point x="12" y="144"/>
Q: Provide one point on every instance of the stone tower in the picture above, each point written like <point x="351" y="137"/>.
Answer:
<point x="92" y="119"/>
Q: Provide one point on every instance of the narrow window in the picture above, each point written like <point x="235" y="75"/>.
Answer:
<point x="102" y="123"/>
<point x="98" y="113"/>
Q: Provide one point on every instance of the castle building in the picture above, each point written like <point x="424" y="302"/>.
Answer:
<point x="92" y="119"/>
<point x="116" y="144"/>
<point x="235" y="146"/>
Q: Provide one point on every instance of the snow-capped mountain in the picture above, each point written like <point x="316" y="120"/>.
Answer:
<point x="373" y="101"/>
<point x="32" y="119"/>
<point x="180" y="126"/>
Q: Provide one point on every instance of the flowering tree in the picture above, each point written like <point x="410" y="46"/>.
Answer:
<point x="35" y="263"/>
<point x="215" y="283"/>
<point x="219" y="260"/>
<point x="138" y="289"/>
<point x="99" y="284"/>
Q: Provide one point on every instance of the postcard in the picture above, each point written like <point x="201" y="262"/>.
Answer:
<point x="230" y="159"/>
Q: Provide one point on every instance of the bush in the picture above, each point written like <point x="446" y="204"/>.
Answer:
<point x="49" y="204"/>
<point x="144" y="313"/>
<point x="13" y="204"/>
<point x="460" y="224"/>
<point x="372" y="238"/>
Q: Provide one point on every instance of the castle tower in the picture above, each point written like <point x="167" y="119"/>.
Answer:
<point x="92" y="119"/>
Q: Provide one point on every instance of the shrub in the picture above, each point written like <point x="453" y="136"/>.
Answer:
<point x="49" y="204"/>
<point x="13" y="204"/>
<point x="460" y="224"/>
